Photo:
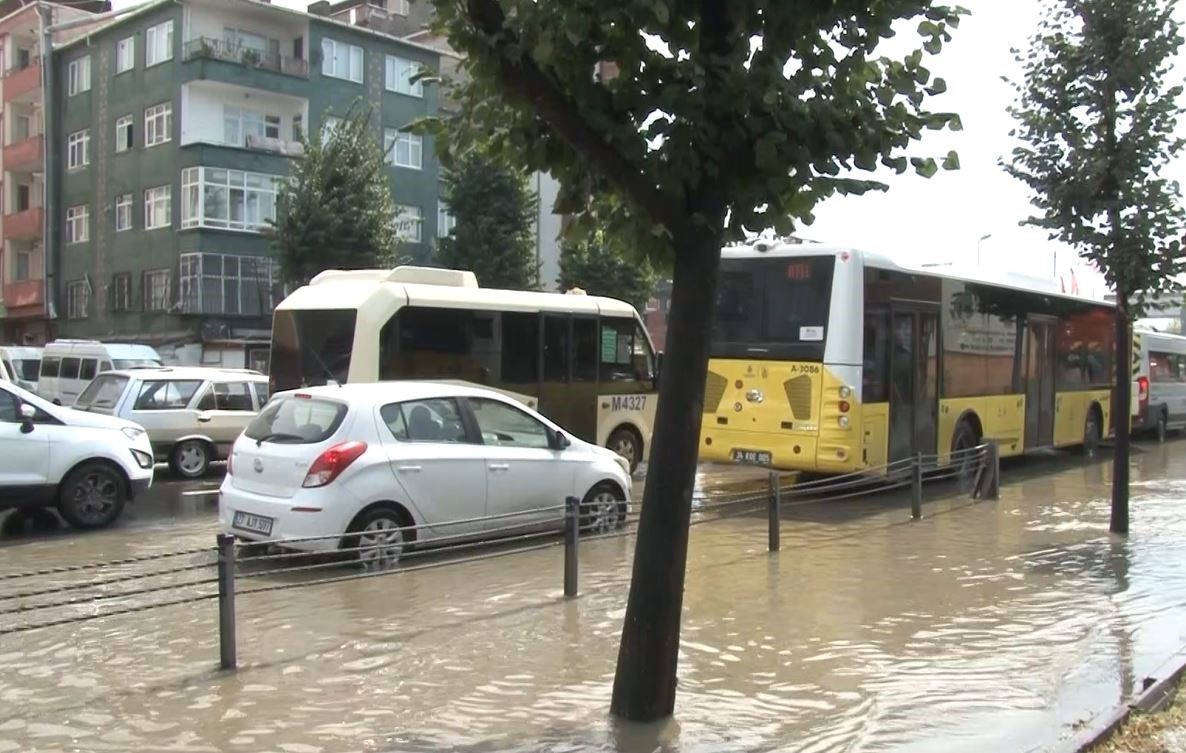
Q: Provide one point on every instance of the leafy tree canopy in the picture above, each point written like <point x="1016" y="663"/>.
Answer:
<point x="597" y="268"/>
<point x="335" y="211"/>
<point x="1097" y="116"/>
<point x="495" y="212"/>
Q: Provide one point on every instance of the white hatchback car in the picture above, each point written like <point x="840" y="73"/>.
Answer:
<point x="393" y="462"/>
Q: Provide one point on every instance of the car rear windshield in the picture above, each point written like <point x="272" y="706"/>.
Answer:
<point x="773" y="308"/>
<point x="311" y="348"/>
<point x="297" y="420"/>
<point x="103" y="392"/>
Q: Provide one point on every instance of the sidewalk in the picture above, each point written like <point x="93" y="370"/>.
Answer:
<point x="1164" y="732"/>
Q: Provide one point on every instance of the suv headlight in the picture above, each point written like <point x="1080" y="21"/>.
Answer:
<point x="132" y="432"/>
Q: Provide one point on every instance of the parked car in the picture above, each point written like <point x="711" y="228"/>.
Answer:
<point x="391" y="463"/>
<point x="192" y="414"/>
<point x="88" y="466"/>
<point x="68" y="366"/>
<point x="21" y="364"/>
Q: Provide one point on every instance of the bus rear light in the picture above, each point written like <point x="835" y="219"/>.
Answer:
<point x="844" y="406"/>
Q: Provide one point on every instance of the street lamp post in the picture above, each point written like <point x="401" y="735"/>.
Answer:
<point x="979" y="243"/>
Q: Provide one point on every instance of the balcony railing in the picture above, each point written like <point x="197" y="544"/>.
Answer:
<point x="23" y="293"/>
<point x="24" y="225"/>
<point x="26" y="155"/>
<point x="22" y="82"/>
<point x="211" y="48"/>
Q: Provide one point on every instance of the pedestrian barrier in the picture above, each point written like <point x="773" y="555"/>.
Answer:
<point x="233" y="569"/>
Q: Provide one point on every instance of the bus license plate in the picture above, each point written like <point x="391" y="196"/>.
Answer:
<point x="752" y="457"/>
<point x="254" y="523"/>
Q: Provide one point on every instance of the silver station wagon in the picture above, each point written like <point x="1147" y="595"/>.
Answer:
<point x="192" y="415"/>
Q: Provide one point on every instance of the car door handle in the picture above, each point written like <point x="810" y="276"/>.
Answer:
<point x="408" y="468"/>
<point x="500" y="467"/>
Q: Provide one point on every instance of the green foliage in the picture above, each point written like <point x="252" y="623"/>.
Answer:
<point x="696" y="127"/>
<point x="598" y="269"/>
<point x="336" y="210"/>
<point x="1097" y="120"/>
<point x="495" y="211"/>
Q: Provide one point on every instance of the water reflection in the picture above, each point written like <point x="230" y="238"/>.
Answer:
<point x="988" y="626"/>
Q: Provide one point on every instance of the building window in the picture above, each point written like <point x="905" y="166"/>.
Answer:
<point x="158" y="206"/>
<point x="445" y="220"/>
<point x="227" y="199"/>
<point x="403" y="149"/>
<point x="158" y="121"/>
<point x="79" y="76"/>
<point x="340" y="60"/>
<point x="23" y="128"/>
<point x="155" y="289"/>
<point x="227" y="284"/>
<point x="78" y="299"/>
<point x="78" y="224"/>
<point x="408" y="222"/>
<point x="400" y="72"/>
<point x="24" y="266"/>
<point x="239" y="122"/>
<point x="123" y="134"/>
<point x="158" y="44"/>
<point x="123" y="212"/>
<point x="399" y="7"/>
<point x="125" y="54"/>
<point x="78" y="149"/>
<point x="121" y="292"/>
<point x="328" y="126"/>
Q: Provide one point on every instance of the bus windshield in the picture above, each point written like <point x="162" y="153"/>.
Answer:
<point x="773" y="308"/>
<point x="311" y="347"/>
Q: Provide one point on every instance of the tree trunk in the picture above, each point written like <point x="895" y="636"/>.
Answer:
<point x="1121" y="414"/>
<point x="645" y="683"/>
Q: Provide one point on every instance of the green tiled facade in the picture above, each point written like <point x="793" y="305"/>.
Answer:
<point x="292" y="67"/>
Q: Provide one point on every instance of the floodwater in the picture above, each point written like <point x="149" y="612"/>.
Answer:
<point x="984" y="626"/>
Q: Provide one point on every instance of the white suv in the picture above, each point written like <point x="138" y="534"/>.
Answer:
<point x="377" y="459"/>
<point x="86" y="465"/>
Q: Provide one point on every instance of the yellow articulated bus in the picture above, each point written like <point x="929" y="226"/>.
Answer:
<point x="831" y="361"/>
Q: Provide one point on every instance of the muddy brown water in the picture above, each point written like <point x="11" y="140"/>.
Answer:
<point x="985" y="626"/>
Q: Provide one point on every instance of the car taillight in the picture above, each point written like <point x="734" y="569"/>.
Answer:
<point x="330" y="464"/>
<point x="1142" y="391"/>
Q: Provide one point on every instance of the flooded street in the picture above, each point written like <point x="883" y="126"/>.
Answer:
<point x="984" y="626"/>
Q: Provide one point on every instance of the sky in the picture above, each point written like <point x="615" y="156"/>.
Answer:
<point x="942" y="219"/>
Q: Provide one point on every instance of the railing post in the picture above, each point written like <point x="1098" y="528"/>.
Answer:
<point x="992" y="461"/>
<point x="916" y="487"/>
<point x="773" y="503"/>
<point x="572" y="536"/>
<point x="226" y="600"/>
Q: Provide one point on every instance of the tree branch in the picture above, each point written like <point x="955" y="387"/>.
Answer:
<point x="523" y="78"/>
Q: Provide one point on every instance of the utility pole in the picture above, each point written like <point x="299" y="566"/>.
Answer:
<point x="979" y="243"/>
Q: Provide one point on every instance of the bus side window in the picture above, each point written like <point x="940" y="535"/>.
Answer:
<point x="520" y="348"/>
<point x="556" y="348"/>
<point x="875" y="372"/>
<point x="584" y="354"/>
<point x="617" y="350"/>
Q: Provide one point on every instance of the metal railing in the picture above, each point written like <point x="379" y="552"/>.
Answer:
<point x="232" y="568"/>
<point x="213" y="48"/>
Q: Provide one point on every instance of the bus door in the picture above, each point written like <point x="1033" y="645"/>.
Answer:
<point x="914" y="382"/>
<point x="555" y="398"/>
<point x="1039" y="382"/>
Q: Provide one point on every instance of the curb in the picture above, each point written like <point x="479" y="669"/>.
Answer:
<point x="1156" y="693"/>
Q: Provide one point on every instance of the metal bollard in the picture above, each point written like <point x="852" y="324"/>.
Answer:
<point x="916" y="487"/>
<point x="226" y="600"/>
<point x="992" y="462"/>
<point x="773" y="503"/>
<point x="572" y="536"/>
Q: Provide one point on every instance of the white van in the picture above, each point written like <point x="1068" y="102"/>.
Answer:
<point x="1159" y="382"/>
<point x="21" y="365"/>
<point x="68" y="366"/>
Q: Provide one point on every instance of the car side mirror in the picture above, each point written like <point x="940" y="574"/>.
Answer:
<point x="28" y="413"/>
<point x="557" y="440"/>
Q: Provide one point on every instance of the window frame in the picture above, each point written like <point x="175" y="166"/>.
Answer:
<point x="398" y="73"/>
<point x="196" y="183"/>
<point x="123" y="210"/>
<point x="125" y="54"/>
<point x="153" y="201"/>
<point x="416" y="217"/>
<point x="330" y="55"/>
<point x="158" y="44"/>
<point x="78" y="76"/>
<point x="446" y="221"/>
<point x="78" y="299"/>
<point x="158" y="124"/>
<point x="80" y="215"/>
<point x="121" y="291"/>
<point x="78" y="149"/>
<point x="150" y="297"/>
<point x="125" y="123"/>
<point x="394" y="138"/>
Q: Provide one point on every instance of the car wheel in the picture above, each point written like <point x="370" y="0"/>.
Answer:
<point x="1091" y="432"/>
<point x="378" y="538"/>
<point x="190" y="459"/>
<point x="602" y="510"/>
<point x="92" y="496"/>
<point x="627" y="444"/>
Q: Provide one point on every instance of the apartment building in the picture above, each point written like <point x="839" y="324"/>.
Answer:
<point x="173" y="125"/>
<point x="22" y="167"/>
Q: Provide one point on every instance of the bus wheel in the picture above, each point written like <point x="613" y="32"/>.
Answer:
<point x="626" y="443"/>
<point x="966" y="461"/>
<point x="1091" y="432"/>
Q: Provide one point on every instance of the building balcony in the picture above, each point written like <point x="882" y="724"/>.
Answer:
<point x="24" y="298"/>
<point x="25" y="225"/>
<point x="23" y="84"/>
<point x="210" y="48"/>
<point x="26" y="155"/>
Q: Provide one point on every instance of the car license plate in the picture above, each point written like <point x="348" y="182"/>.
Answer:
<point x="751" y="457"/>
<point x="254" y="523"/>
